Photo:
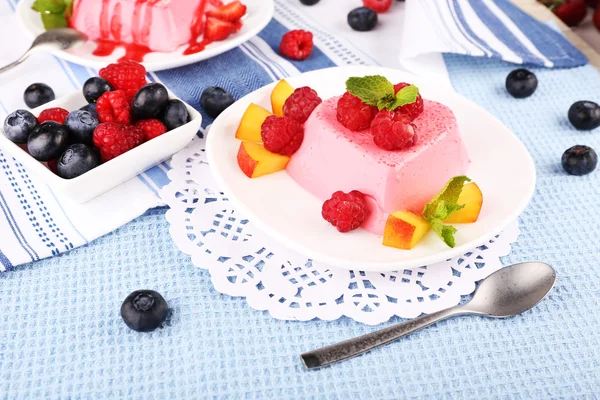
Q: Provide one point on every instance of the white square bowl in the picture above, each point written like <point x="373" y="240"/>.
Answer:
<point x="112" y="173"/>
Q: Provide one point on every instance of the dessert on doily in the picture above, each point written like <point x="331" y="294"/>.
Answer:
<point x="380" y="157"/>
<point x="144" y="26"/>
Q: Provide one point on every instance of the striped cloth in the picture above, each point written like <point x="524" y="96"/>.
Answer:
<point x="484" y="28"/>
<point x="36" y="223"/>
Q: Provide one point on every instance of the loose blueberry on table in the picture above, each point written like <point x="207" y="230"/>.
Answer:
<point x="214" y="100"/>
<point x="38" y="94"/>
<point x="362" y="19"/>
<point x="521" y="83"/>
<point x="144" y="310"/>
<point x="579" y="160"/>
<point x="309" y="2"/>
<point x="584" y="115"/>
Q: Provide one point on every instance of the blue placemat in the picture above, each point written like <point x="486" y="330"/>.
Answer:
<point x="61" y="335"/>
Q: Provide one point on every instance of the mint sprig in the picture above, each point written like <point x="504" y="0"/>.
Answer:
<point x="54" y="13"/>
<point x="443" y="206"/>
<point x="376" y="90"/>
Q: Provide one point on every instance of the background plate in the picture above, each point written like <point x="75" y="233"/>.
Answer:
<point x="501" y="166"/>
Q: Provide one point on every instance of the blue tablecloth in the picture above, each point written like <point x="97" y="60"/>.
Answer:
<point x="61" y="335"/>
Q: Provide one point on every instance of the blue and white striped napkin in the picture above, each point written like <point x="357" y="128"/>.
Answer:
<point x="484" y="28"/>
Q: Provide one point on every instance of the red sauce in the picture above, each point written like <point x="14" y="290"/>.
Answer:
<point x="196" y="29"/>
<point x="135" y="52"/>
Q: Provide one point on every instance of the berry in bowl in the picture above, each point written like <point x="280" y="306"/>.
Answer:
<point x="91" y="141"/>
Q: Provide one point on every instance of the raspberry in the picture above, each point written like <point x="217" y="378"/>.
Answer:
<point x="129" y="76"/>
<point x="281" y="135"/>
<point x="413" y="110"/>
<point x="301" y="104"/>
<point x="392" y="130"/>
<point x="346" y="211"/>
<point x="113" y="139"/>
<point x="114" y="107"/>
<point x="53" y="114"/>
<point x="296" y="45"/>
<point x="152" y="128"/>
<point x="379" y="6"/>
<point x="353" y="113"/>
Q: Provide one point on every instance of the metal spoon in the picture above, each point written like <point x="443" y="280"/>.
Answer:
<point x="505" y="293"/>
<point x="51" y="40"/>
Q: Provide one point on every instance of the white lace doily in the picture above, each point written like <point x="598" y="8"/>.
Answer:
<point x="244" y="262"/>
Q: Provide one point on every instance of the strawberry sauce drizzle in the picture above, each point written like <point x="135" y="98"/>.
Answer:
<point x="196" y="29"/>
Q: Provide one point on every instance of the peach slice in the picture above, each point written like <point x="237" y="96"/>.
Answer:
<point x="279" y="95"/>
<point x="254" y="160"/>
<point x="472" y="198"/>
<point x="404" y="229"/>
<point x="252" y="120"/>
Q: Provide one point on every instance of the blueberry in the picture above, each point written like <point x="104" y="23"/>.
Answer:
<point x="579" y="160"/>
<point x="95" y="87"/>
<point x="521" y="83"/>
<point x="362" y="19"/>
<point x="585" y="115"/>
<point x="81" y="125"/>
<point x="76" y="160"/>
<point x="215" y="100"/>
<point x="309" y="2"/>
<point x="18" y="126"/>
<point x="47" y="141"/>
<point x="144" y="310"/>
<point x="37" y="94"/>
<point x="175" y="114"/>
<point x="91" y="108"/>
<point x="150" y="101"/>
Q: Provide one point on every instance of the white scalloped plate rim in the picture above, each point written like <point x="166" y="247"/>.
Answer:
<point x="501" y="166"/>
<point x="260" y="12"/>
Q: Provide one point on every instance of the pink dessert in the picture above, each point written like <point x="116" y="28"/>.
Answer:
<point x="142" y="26"/>
<point x="334" y="158"/>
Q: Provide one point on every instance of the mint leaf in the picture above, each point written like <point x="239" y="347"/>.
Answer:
<point x="406" y="95"/>
<point x="386" y="102"/>
<point x="49" y="6"/>
<point x="445" y="232"/>
<point x="52" y="21"/>
<point x="443" y="206"/>
<point x="370" y="89"/>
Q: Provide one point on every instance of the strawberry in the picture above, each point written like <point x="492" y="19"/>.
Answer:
<point x="217" y="29"/>
<point x="571" y="12"/>
<point x="231" y="12"/>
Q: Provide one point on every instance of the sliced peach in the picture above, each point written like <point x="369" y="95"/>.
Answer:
<point x="279" y="95"/>
<point x="472" y="198"/>
<point x="254" y="160"/>
<point x="251" y="122"/>
<point x="404" y="230"/>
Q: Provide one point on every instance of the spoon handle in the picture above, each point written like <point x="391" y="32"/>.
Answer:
<point x="353" y="347"/>
<point x="15" y="63"/>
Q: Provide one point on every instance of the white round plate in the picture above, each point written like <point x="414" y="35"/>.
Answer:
<point x="500" y="164"/>
<point x="259" y="14"/>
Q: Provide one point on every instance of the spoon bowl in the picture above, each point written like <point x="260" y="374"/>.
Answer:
<point x="512" y="290"/>
<point x="505" y="293"/>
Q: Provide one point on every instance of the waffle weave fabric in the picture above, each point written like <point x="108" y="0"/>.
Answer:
<point x="62" y="337"/>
